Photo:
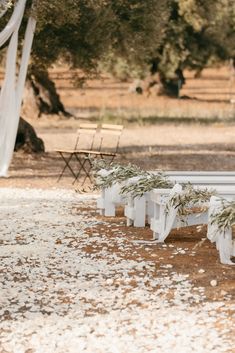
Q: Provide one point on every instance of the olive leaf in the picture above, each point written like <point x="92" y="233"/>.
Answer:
<point x="146" y="183"/>
<point x="225" y="217"/>
<point x="117" y="174"/>
<point x="189" y="199"/>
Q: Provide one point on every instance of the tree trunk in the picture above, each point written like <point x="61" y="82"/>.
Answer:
<point x="171" y="86"/>
<point x="27" y="139"/>
<point x="160" y="85"/>
<point x="168" y="86"/>
<point x="41" y="96"/>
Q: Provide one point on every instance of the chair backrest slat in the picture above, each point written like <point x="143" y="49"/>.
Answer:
<point x="86" y="130"/>
<point x="112" y="127"/>
<point x="110" y="133"/>
<point x="88" y="126"/>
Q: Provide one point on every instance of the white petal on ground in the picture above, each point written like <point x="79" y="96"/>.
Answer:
<point x="56" y="296"/>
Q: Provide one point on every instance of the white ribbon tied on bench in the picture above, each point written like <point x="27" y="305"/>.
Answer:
<point x="170" y="215"/>
<point x="223" y="238"/>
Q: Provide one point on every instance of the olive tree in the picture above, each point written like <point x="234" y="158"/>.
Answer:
<point x="82" y="33"/>
<point x="200" y="33"/>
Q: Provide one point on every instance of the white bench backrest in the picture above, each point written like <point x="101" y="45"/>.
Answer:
<point x="197" y="173"/>
<point x="203" y="179"/>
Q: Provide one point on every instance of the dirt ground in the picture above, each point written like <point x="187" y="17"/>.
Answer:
<point x="190" y="134"/>
<point x="73" y="281"/>
<point x="165" y="147"/>
<point x="162" y="146"/>
<point x="195" y="134"/>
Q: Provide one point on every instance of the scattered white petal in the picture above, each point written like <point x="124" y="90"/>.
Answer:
<point x="213" y="283"/>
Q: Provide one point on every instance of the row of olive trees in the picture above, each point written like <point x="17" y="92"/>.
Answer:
<point x="163" y="36"/>
<point x="82" y="33"/>
<point x="197" y="34"/>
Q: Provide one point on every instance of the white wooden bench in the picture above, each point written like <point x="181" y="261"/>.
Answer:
<point x="160" y="197"/>
<point x="152" y="205"/>
<point x="110" y="198"/>
<point x="165" y="219"/>
<point x="139" y="209"/>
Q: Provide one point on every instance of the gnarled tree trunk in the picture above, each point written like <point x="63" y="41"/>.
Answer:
<point x="160" y="85"/>
<point x="171" y="86"/>
<point x="41" y="96"/>
<point x="27" y="139"/>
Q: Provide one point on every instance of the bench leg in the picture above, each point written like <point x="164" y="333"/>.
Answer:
<point x="129" y="211"/>
<point x="100" y="202"/>
<point x="155" y="236"/>
<point x="149" y="211"/>
<point x="110" y="209"/>
<point x="140" y="211"/>
<point x="225" y="247"/>
<point x="129" y="222"/>
<point x="155" y="220"/>
<point x="109" y="205"/>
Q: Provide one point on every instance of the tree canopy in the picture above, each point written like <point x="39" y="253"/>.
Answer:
<point x="199" y="32"/>
<point x="165" y="35"/>
<point x="82" y="32"/>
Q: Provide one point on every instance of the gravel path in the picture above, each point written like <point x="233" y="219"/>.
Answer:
<point x="64" y="290"/>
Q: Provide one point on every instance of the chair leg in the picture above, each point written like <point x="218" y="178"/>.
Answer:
<point x="67" y="165"/>
<point x="110" y="158"/>
<point x="83" y="168"/>
<point x="88" y="175"/>
<point x="81" y="164"/>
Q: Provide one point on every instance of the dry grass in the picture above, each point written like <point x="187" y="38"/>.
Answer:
<point x="208" y="98"/>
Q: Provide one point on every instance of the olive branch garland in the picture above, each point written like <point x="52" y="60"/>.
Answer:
<point x="184" y="202"/>
<point x="146" y="183"/>
<point x="98" y="164"/>
<point x="225" y="217"/>
<point x="117" y="174"/>
<point x="189" y="198"/>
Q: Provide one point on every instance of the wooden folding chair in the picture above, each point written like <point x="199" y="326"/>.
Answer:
<point x="107" y="148"/>
<point x="85" y="139"/>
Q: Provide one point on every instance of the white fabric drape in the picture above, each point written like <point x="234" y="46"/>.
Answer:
<point x="12" y="87"/>
<point x="170" y="216"/>
<point x="223" y="239"/>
